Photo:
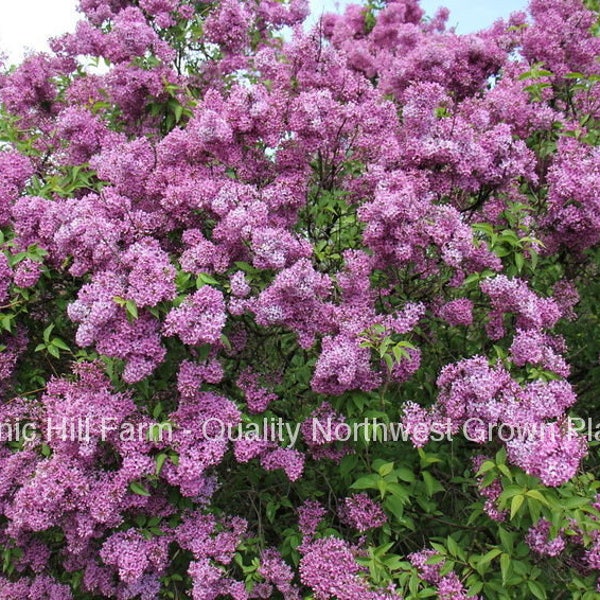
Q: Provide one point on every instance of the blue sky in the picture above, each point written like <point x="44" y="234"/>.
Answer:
<point x="471" y="15"/>
<point x="19" y="31"/>
<point x="467" y="15"/>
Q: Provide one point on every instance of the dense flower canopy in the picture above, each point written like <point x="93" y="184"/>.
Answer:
<point x="229" y="240"/>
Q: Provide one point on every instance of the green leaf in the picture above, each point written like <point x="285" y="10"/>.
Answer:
<point x="486" y="465"/>
<point x="435" y="559"/>
<point x="53" y="350"/>
<point x="138" y="488"/>
<point x="157" y="411"/>
<point x="488" y="557"/>
<point x="574" y="502"/>
<point x="515" y="505"/>
<point x="475" y="588"/>
<point x="398" y="490"/>
<point x="205" y="279"/>
<point x="178" y="112"/>
<point x="432" y="485"/>
<point x="348" y="464"/>
<point x="405" y="474"/>
<point x="538" y="496"/>
<point x="507" y="538"/>
<point x="160" y="461"/>
<point x="399" y="353"/>
<point x="452" y="546"/>
<point x="382" y="486"/>
<point x="60" y="344"/>
<point x="505" y="566"/>
<point x="519" y="262"/>
<point x="7" y="322"/>
<point x="271" y="511"/>
<point x="510" y="491"/>
<point x="131" y="308"/>
<point x="504" y="469"/>
<point x="386" y="469"/>
<point x="368" y="482"/>
<point x="536" y="589"/>
<point x="47" y="333"/>
<point x="394" y="505"/>
<point x="225" y="341"/>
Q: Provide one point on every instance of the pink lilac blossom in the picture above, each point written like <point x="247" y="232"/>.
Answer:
<point x="362" y="513"/>
<point x="418" y="423"/>
<point x="490" y="492"/>
<point x="239" y="285"/>
<point x="324" y="434"/>
<point x="258" y="398"/>
<point x="329" y="567"/>
<point x="310" y="515"/>
<point x="484" y="401"/>
<point x="552" y="454"/>
<point x="132" y="554"/>
<point x="574" y="178"/>
<point x="449" y="587"/>
<point x="291" y="461"/>
<point x="104" y="323"/>
<point x="84" y="133"/>
<point x="15" y="170"/>
<point x="6" y="276"/>
<point x="200" y="439"/>
<point x="429" y="572"/>
<point x="592" y="555"/>
<point x="343" y="365"/>
<point x="27" y="273"/>
<point x="41" y="586"/>
<point x="296" y="299"/>
<point x="402" y="225"/>
<point x="200" y="319"/>
<point x="192" y="375"/>
<point x="514" y="296"/>
<point x="535" y="348"/>
<point x="404" y="369"/>
<point x="151" y="277"/>
<point x="276" y="571"/>
<point x="88" y="230"/>
<point x="457" y="312"/>
<point x="538" y="539"/>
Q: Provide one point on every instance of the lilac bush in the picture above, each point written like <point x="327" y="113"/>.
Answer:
<point x="301" y="311"/>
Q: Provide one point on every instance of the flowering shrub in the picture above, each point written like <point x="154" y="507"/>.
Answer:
<point x="293" y="311"/>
